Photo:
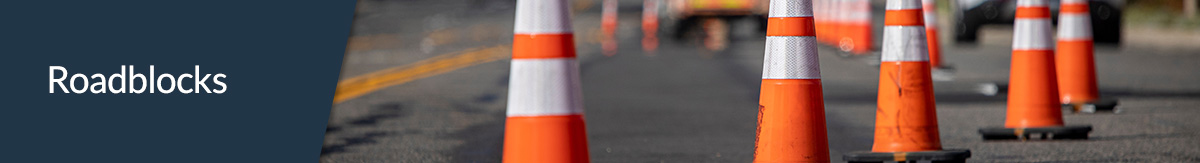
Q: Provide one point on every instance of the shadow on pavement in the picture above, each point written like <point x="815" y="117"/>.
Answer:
<point x="368" y="138"/>
<point x="1150" y="94"/>
<point x="1138" y="137"/>
<point x="380" y="113"/>
<point x="484" y="142"/>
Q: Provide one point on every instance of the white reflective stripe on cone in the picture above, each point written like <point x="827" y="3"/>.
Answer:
<point x="610" y="6"/>
<point x="1074" y="1"/>
<point x="542" y="17"/>
<point x="650" y="10"/>
<point x="839" y="11"/>
<point x="1074" y="27"/>
<point x="791" y="8"/>
<point x="791" y="57"/>
<point x="542" y="87"/>
<point x="1031" y="3"/>
<point x="903" y="4"/>
<point x="904" y="43"/>
<point x="930" y="14"/>
<point x="858" y="12"/>
<point x="1032" y="34"/>
<point x="820" y="8"/>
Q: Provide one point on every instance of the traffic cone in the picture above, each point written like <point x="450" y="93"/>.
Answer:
<point x="941" y="70"/>
<point x="791" y="111"/>
<point x="650" y="26"/>
<point x="856" y="30"/>
<point x="906" y="121"/>
<point x="1033" y="104"/>
<point x="545" y="112"/>
<point x="835" y="22"/>
<point x="1076" y="67"/>
<point x="608" y="24"/>
<point x="931" y="33"/>
<point x="821" y="20"/>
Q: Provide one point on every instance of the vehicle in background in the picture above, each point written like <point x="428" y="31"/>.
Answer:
<point x="972" y="14"/>
<point x="681" y="17"/>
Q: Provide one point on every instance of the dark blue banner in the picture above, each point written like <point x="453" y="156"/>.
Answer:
<point x="250" y="81"/>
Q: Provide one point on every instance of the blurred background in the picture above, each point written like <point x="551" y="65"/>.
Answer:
<point x="426" y="80"/>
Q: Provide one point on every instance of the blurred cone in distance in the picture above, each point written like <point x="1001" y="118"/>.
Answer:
<point x="1075" y="61"/>
<point x="836" y="22"/>
<point x="931" y="33"/>
<point x="608" y="24"/>
<point x="791" y="113"/>
<point x="1034" y="109"/>
<point x="845" y="25"/>
<point x="650" y="26"/>
<point x="545" y="112"/>
<point x="821" y="20"/>
<point x="906" y="121"/>
<point x="856" y="30"/>
<point x="716" y="31"/>
<point x="941" y="70"/>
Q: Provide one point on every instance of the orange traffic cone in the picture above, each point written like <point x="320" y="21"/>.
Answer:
<point x="791" y="111"/>
<point x="545" y="111"/>
<point x="829" y="31"/>
<point x="650" y="26"/>
<point x="856" y="32"/>
<point x="836" y="13"/>
<point x="1033" y="104"/>
<point x="1076" y="67"/>
<point x="906" y="121"/>
<point x="608" y="24"/>
<point x="821" y="20"/>
<point x="931" y="33"/>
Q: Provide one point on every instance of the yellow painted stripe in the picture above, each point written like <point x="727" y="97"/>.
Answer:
<point x="900" y="156"/>
<point x="359" y="85"/>
<point x="478" y="32"/>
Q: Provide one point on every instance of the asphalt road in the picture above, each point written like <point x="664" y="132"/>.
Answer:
<point x="687" y="104"/>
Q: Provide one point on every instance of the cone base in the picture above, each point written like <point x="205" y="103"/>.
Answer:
<point x="948" y="155"/>
<point x="1094" y="106"/>
<point x="1066" y="132"/>
<point x="992" y="88"/>
<point x="942" y="73"/>
<point x="946" y="67"/>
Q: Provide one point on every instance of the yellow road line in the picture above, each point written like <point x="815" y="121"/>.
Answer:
<point x="359" y="85"/>
<point x="434" y="38"/>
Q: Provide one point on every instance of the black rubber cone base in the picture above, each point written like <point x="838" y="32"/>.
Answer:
<point x="942" y="73"/>
<point x="1066" y="132"/>
<point x="942" y="156"/>
<point x="1100" y="105"/>
<point x="992" y="88"/>
<point x="945" y="67"/>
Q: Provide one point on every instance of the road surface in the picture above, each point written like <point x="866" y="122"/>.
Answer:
<point x="445" y="71"/>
